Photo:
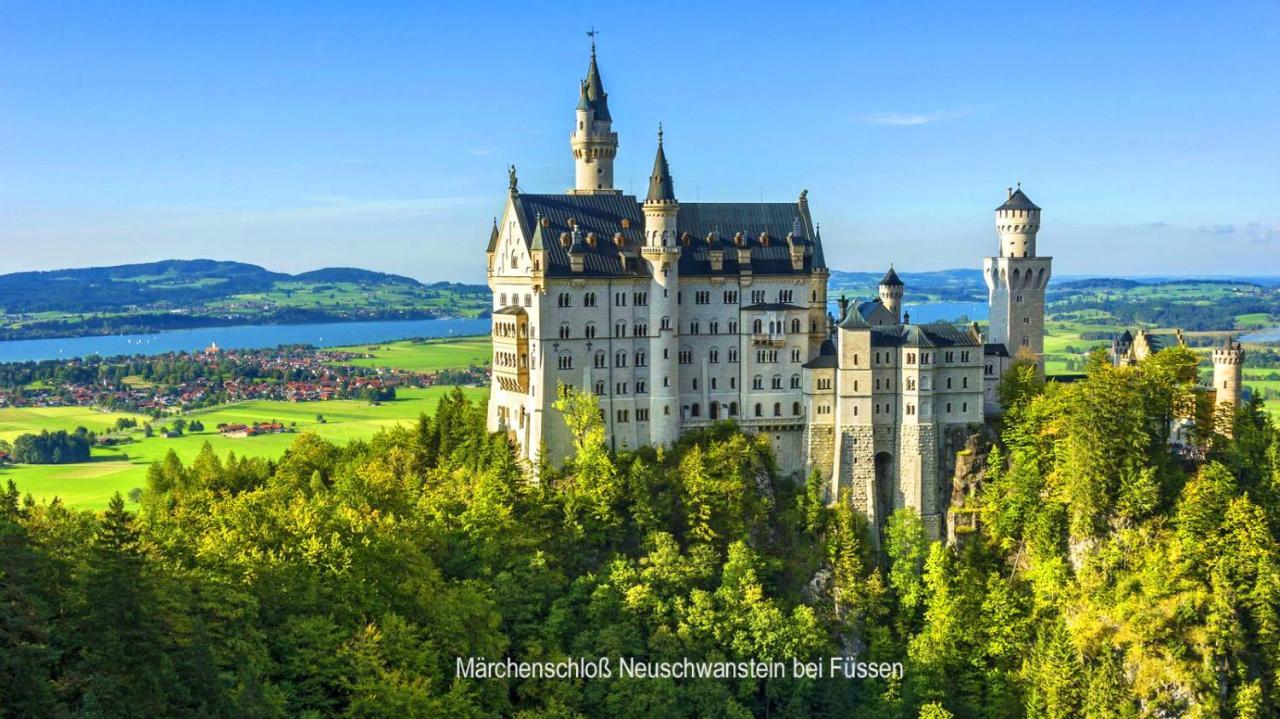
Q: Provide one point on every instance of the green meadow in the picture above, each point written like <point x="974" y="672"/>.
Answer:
<point x="119" y="469"/>
<point x="424" y="355"/>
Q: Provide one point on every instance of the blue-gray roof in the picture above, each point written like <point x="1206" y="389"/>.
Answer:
<point x="826" y="358"/>
<point x="592" y="95"/>
<point x="891" y="279"/>
<point x="723" y="221"/>
<point x="661" y="188"/>
<point x="1018" y="201"/>
<point x="931" y="335"/>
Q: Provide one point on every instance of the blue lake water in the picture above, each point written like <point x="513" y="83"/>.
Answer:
<point x="332" y="334"/>
<point x="1268" y="335"/>
<point x="329" y="334"/>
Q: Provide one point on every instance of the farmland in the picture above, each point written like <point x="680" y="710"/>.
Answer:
<point x="424" y="355"/>
<point x="121" y="468"/>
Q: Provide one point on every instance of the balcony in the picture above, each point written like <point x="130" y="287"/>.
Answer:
<point x="770" y="339"/>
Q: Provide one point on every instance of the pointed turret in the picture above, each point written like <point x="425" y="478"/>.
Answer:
<point x="891" y="293"/>
<point x="660" y="187"/>
<point x="593" y="95"/>
<point x="493" y="237"/>
<point x="594" y="142"/>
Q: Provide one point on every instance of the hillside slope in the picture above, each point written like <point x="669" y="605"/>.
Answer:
<point x="175" y="294"/>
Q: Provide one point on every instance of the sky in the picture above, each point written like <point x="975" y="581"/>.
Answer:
<point x="297" y="135"/>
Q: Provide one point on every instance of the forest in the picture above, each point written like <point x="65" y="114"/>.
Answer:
<point x="58" y="447"/>
<point x="1105" y="575"/>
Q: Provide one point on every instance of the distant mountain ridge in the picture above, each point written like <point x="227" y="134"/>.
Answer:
<point x="178" y="282"/>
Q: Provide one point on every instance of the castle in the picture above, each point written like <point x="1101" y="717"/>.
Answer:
<point x="1132" y="347"/>
<point x="678" y="314"/>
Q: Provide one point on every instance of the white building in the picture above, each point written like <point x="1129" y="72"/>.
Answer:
<point x="678" y="314"/>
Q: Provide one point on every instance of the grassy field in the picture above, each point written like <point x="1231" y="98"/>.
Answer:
<point x="17" y="421"/>
<point x="1063" y="343"/>
<point x="424" y="356"/>
<point x="91" y="484"/>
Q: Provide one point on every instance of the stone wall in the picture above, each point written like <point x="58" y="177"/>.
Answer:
<point x="820" y="446"/>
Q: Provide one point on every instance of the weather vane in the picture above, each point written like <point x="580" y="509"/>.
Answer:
<point x="592" y="34"/>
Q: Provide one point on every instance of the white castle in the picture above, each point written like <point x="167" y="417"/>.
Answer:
<point x="679" y="314"/>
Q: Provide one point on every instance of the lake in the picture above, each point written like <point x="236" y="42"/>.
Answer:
<point x="1271" y="334"/>
<point x="326" y="334"/>
<point x="332" y="334"/>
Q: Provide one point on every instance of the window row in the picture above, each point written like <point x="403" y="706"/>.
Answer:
<point x="775" y="382"/>
<point x="515" y="300"/>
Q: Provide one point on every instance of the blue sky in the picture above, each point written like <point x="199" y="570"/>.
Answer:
<point x="300" y="135"/>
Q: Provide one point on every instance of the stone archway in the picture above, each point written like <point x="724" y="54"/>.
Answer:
<point x="885" y="488"/>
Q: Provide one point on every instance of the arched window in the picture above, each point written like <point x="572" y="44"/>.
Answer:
<point x="795" y="409"/>
<point x="733" y="409"/>
<point x="795" y="325"/>
<point x="795" y="381"/>
<point x="696" y="410"/>
<point x="757" y="382"/>
<point x="600" y="387"/>
<point x="590" y="331"/>
<point x="715" y="410"/>
<point x="757" y="326"/>
<point x="777" y="409"/>
<point x="758" y="409"/>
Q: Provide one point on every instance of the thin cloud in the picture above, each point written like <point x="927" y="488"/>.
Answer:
<point x="1253" y="232"/>
<point x="908" y="119"/>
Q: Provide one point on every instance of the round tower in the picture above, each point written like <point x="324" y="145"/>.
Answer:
<point x="1228" y="372"/>
<point x="594" y="142"/>
<point x="891" y="293"/>
<point x="1017" y="222"/>
<point x="661" y="250"/>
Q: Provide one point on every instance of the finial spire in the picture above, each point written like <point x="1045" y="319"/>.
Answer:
<point x="660" y="185"/>
<point x="592" y="34"/>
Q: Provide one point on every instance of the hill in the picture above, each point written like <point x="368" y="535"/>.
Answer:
<point x="177" y="294"/>
<point x="961" y="285"/>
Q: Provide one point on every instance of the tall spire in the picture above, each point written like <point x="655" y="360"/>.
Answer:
<point x="592" y="95"/>
<point x="593" y="141"/>
<point x="660" y="187"/>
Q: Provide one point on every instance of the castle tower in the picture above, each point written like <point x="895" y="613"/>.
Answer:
<point x="593" y="141"/>
<point x="662" y="251"/>
<point x="1016" y="280"/>
<point x="891" y="294"/>
<point x="1228" y="372"/>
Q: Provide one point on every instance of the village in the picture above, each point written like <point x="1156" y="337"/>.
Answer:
<point x="177" y="382"/>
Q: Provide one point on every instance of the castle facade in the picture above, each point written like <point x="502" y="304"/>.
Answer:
<point x="679" y="314"/>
